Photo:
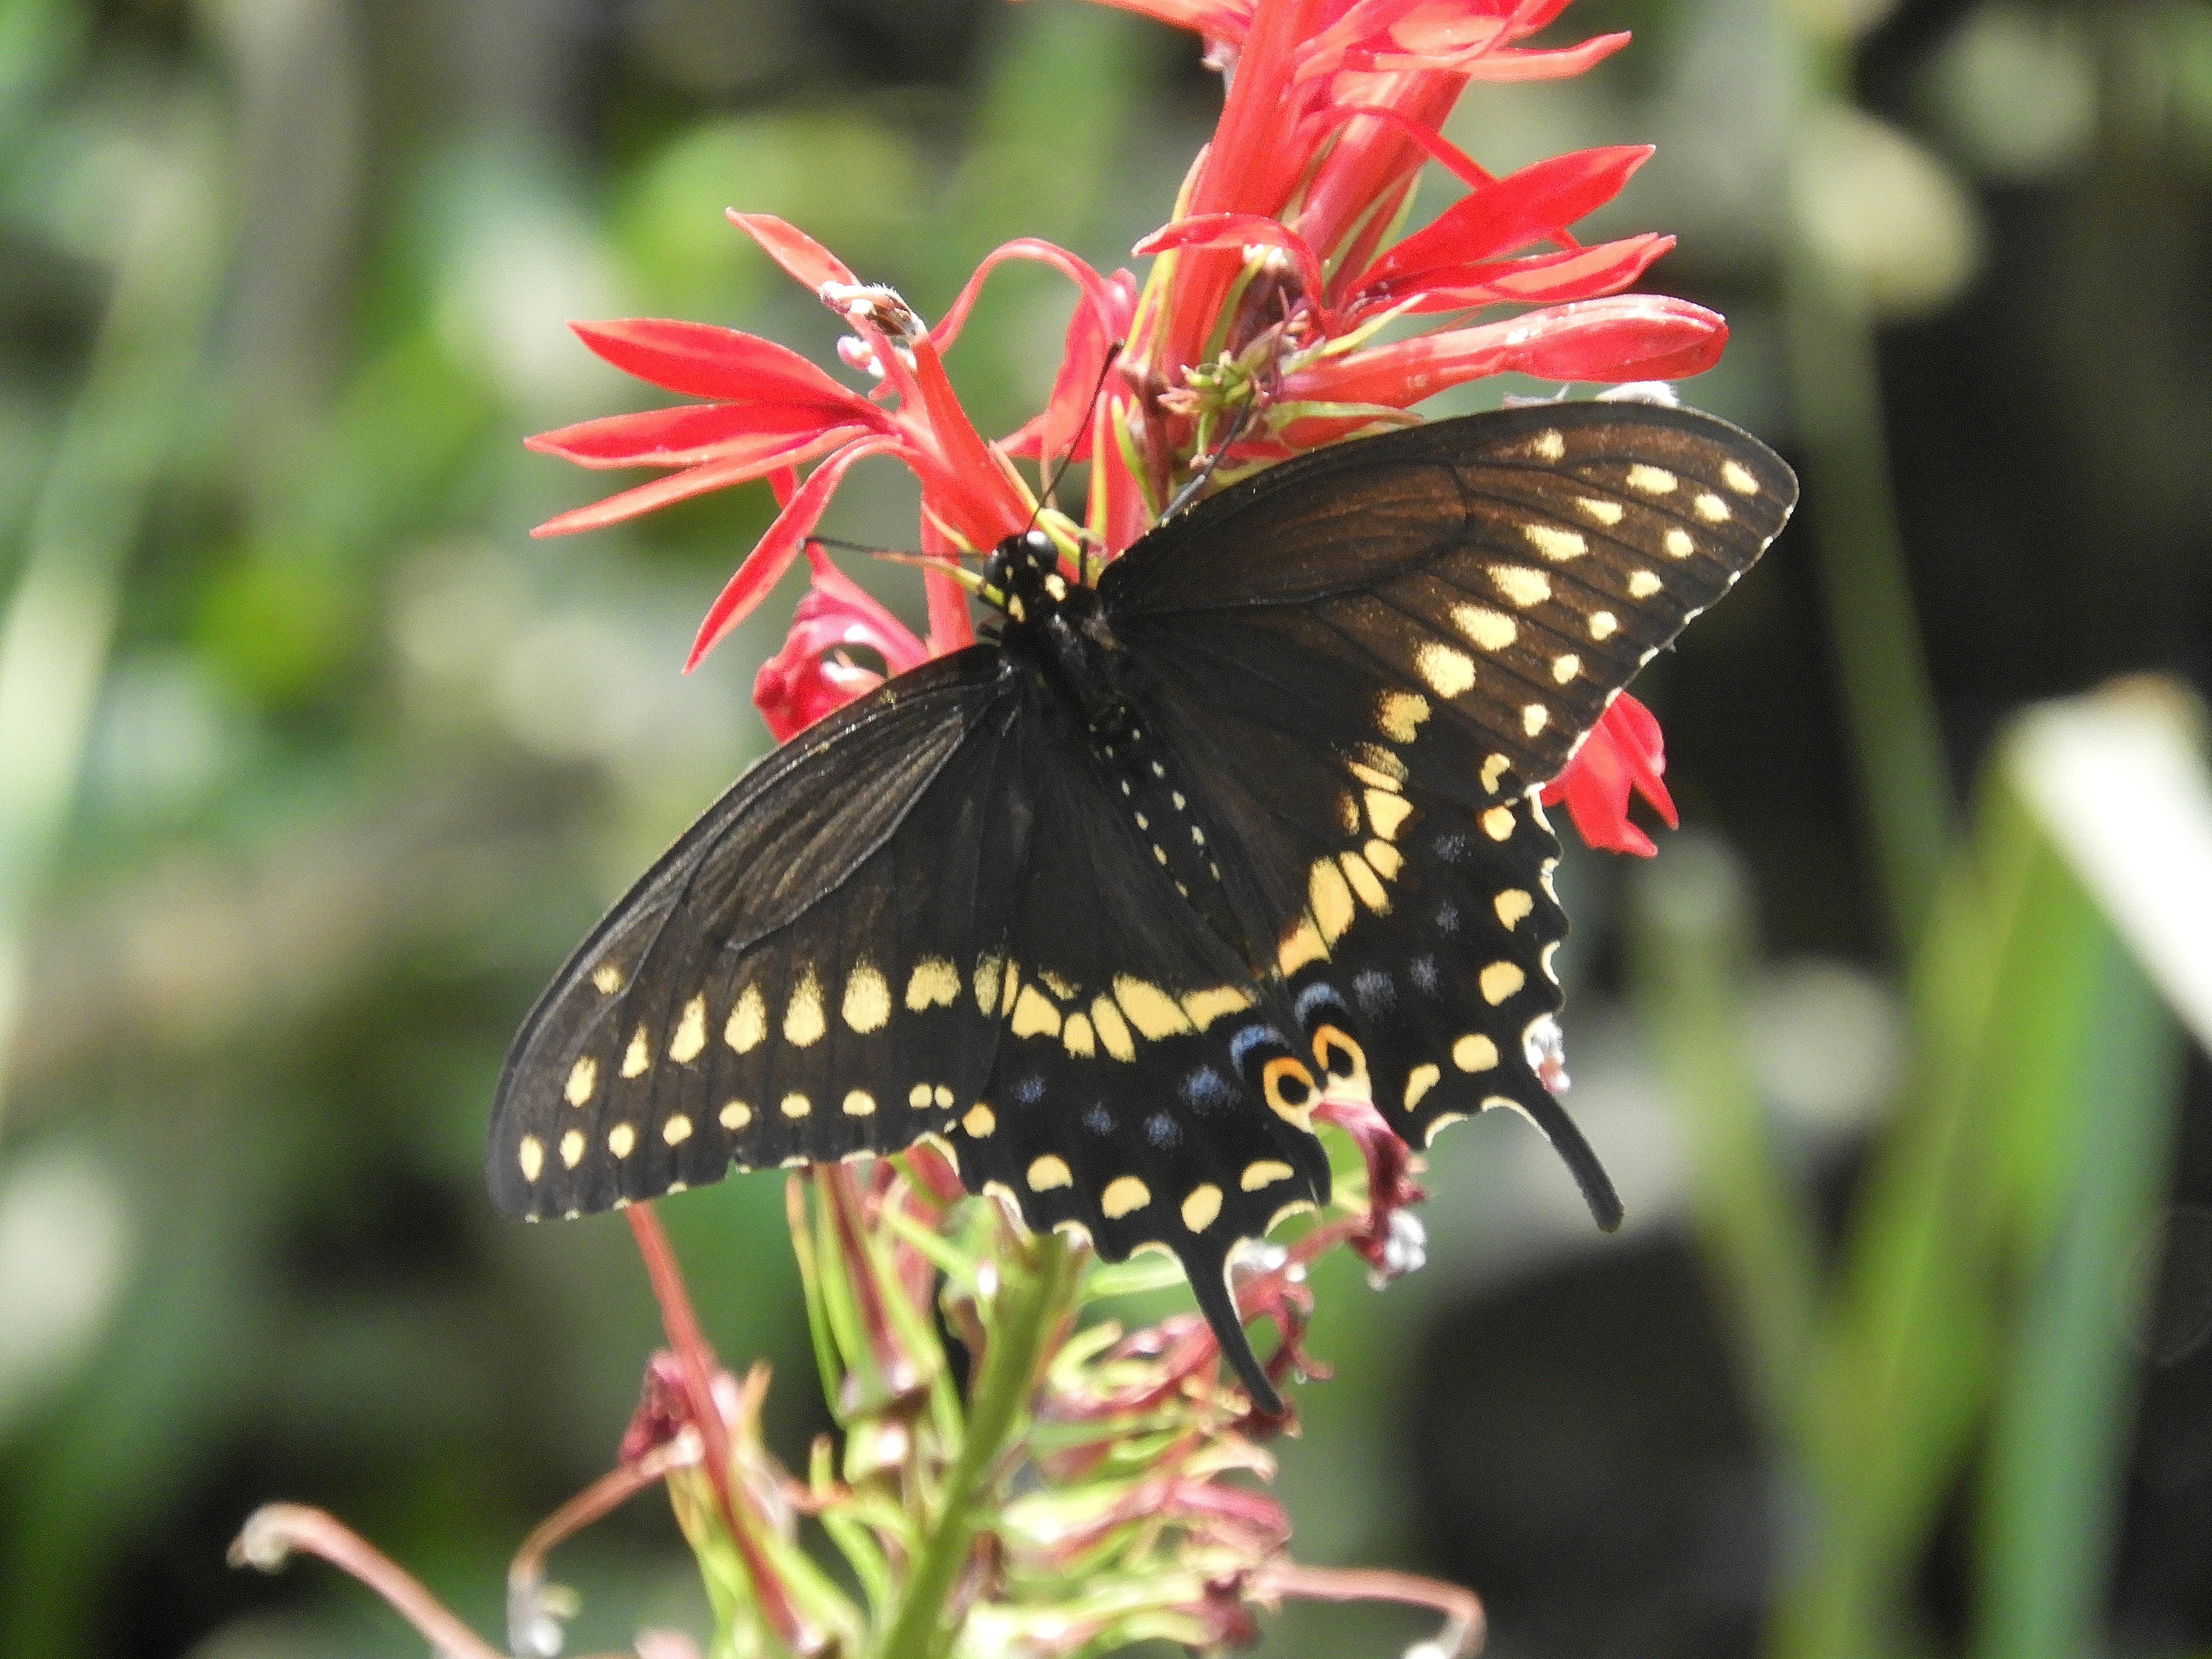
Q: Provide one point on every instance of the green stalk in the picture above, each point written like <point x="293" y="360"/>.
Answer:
<point x="1889" y="705"/>
<point x="60" y="620"/>
<point x="1691" y="944"/>
<point x="1033" y="1298"/>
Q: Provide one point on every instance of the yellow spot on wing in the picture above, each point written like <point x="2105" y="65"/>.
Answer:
<point x="607" y="979"/>
<point x="1712" y="509"/>
<point x="1113" y="1030"/>
<point x="572" y="1148"/>
<point x="1301" y="945"/>
<point x="621" y="1139"/>
<point x="1606" y="513"/>
<point x="530" y="1155"/>
<point x="1201" y="1207"/>
<point x="943" y="1097"/>
<point x="918" y="1097"/>
<point x="1330" y="899"/>
<point x="1364" y="882"/>
<point x="1034" y="1014"/>
<point x="1372" y="778"/>
<point x="1203" y="1007"/>
<point x="795" y="1105"/>
<point x="1493" y="770"/>
<point x="1049" y="1172"/>
<point x="677" y="1130"/>
<point x="867" y="1005"/>
<point x="1387" y="859"/>
<point x="1265" y="1173"/>
<point x="1387" y="811"/>
<point x="980" y="1122"/>
<point x="691" y="1033"/>
<point x="1603" y="624"/>
<point x="1518" y="583"/>
<point x="583" y="1077"/>
<point x="1150" y="1009"/>
<point x="1651" y="480"/>
<point x="639" y="1056"/>
<point x="1124" y="1194"/>
<point x="987" y="982"/>
<point x="1493" y="631"/>
<point x="1474" y="1053"/>
<point x="1642" y="585"/>
<point x="804" y="1022"/>
<point x="1554" y="543"/>
<point x="1534" y="717"/>
<point x="1500" y="980"/>
<point x="1566" y="667"/>
<point x="934" y="983"/>
<point x="1549" y="446"/>
<point x="1398" y="715"/>
<point x="1738" y="477"/>
<point x="1077" y="1036"/>
<point x="735" y="1115"/>
<point x="859" y="1103"/>
<point x="1497" y="823"/>
<point x="748" y="1022"/>
<point x="1447" y="671"/>
<point x="1677" y="543"/>
<point x="1418" y="1081"/>
<point x="1513" y="906"/>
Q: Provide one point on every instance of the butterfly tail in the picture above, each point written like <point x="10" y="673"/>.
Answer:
<point x="1581" y="1159"/>
<point x="1209" y="1282"/>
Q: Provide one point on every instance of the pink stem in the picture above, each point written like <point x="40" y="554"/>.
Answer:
<point x="1463" y="1624"/>
<point x="275" y="1531"/>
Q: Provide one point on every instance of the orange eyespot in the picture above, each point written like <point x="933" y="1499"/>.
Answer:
<point x="1339" y="1058"/>
<point x="1289" y="1088"/>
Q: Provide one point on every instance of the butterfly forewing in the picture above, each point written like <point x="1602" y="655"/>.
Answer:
<point x="795" y="979"/>
<point x="1518" y="568"/>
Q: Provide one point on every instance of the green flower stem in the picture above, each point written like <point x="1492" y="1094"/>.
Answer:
<point x="1692" y="939"/>
<point x="1034" y="1295"/>
<point x="1889" y="704"/>
<point x="59" y="622"/>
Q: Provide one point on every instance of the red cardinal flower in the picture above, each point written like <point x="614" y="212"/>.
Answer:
<point x="1623" y="753"/>
<point x="1261" y="316"/>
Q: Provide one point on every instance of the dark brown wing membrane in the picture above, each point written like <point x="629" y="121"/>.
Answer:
<point x="1501" y="575"/>
<point x="797" y="978"/>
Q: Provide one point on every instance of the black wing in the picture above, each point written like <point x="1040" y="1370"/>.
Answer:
<point x="1368" y="658"/>
<point x="1146" y="1090"/>
<point x="804" y="976"/>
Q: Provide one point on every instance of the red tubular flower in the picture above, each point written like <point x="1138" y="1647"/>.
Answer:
<point x="1269" y="291"/>
<point x="812" y="675"/>
<point x="1623" y="753"/>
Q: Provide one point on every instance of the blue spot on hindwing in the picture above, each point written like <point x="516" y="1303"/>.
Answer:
<point x="1162" y="1131"/>
<point x="1377" y="995"/>
<point x="1207" y="1091"/>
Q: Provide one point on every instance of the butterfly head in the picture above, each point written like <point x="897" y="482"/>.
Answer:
<point x="1024" y="571"/>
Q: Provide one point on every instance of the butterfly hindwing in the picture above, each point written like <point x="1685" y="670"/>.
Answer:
<point x="1132" y="1094"/>
<point x="796" y="979"/>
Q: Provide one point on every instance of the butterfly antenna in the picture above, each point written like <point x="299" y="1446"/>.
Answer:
<point x="1198" y="479"/>
<point x="1090" y="409"/>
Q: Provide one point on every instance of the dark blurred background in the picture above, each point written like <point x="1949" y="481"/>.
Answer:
<point x="312" y="765"/>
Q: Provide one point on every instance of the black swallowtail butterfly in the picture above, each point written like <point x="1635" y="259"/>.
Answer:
<point x="1107" y="903"/>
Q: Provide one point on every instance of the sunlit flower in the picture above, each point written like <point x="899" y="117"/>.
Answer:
<point x="813" y="673"/>
<point x="1623" y="752"/>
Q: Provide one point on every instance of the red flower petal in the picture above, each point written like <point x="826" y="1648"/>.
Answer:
<point x="808" y="677"/>
<point x="1633" y="336"/>
<point x="798" y="254"/>
<point x="1510" y="212"/>
<point x="738" y="469"/>
<point x="773" y="554"/>
<point x="683" y="436"/>
<point x="1237" y="231"/>
<point x="1625" y="751"/>
<point x="701" y="360"/>
<point x="1578" y="273"/>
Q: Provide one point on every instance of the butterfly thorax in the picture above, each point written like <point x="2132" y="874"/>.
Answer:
<point x="1059" y="630"/>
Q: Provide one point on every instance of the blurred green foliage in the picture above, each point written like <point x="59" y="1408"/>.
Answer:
<point x="312" y="765"/>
